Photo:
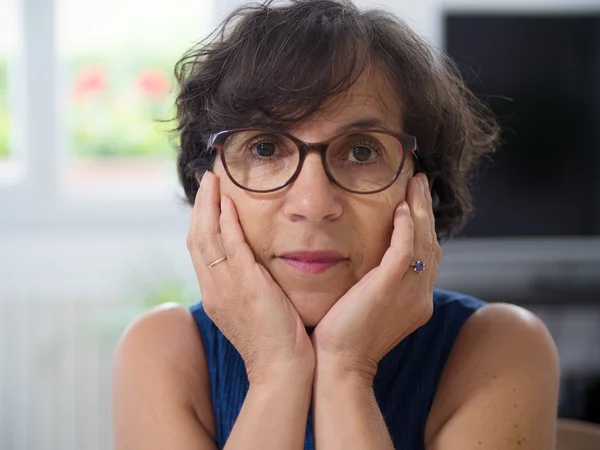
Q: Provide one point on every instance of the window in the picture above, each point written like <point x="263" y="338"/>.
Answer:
<point x="4" y="150"/>
<point x="117" y="59"/>
<point x="8" y="32"/>
<point x="81" y="86"/>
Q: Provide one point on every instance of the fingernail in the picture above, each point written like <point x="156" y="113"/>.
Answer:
<point x="223" y="202"/>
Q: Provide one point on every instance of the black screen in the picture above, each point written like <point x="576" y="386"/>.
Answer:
<point x="541" y="77"/>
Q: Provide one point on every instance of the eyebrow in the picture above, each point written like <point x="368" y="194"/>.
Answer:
<point x="369" y="122"/>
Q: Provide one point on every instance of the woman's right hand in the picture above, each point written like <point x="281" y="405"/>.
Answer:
<point x="239" y="294"/>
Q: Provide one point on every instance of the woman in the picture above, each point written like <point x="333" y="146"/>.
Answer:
<point x="333" y="149"/>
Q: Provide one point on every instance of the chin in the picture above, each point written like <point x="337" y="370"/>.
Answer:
<point x="312" y="307"/>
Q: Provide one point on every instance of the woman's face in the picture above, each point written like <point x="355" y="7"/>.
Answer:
<point x="312" y="215"/>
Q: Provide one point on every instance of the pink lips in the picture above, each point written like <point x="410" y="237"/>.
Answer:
<point x="311" y="262"/>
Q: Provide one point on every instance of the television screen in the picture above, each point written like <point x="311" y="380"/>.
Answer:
<point x="541" y="77"/>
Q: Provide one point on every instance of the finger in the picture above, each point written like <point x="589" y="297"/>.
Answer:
<point x="430" y="206"/>
<point x="400" y="253"/>
<point x="437" y="249"/>
<point x="419" y="208"/>
<point x="208" y="230"/>
<point x="191" y="236"/>
<point x="421" y="213"/>
<point x="234" y="243"/>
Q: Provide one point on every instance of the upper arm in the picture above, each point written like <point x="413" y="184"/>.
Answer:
<point x="499" y="389"/>
<point x="160" y="385"/>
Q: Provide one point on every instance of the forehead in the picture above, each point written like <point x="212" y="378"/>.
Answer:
<point x="371" y="96"/>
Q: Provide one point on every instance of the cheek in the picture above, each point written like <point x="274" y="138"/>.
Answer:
<point x="258" y="226"/>
<point x="398" y="190"/>
<point x="376" y="223"/>
<point x="375" y="237"/>
<point x="254" y="215"/>
<point x="373" y="230"/>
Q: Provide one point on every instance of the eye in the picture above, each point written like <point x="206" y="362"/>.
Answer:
<point x="364" y="151"/>
<point x="265" y="149"/>
<point x="361" y="153"/>
<point x="265" y="146"/>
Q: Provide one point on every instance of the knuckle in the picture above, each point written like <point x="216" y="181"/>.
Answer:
<point x="423" y="210"/>
<point x="210" y="309"/>
<point x="427" y="311"/>
<point x="232" y="251"/>
<point x="438" y="250"/>
<point x="229" y="246"/>
<point x="202" y="243"/>
<point x="223" y="222"/>
<point x="410" y="222"/>
<point x="428" y="245"/>
<point x="190" y="242"/>
<point x="235" y="272"/>
<point x="406" y="256"/>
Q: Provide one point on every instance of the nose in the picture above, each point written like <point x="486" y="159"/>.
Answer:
<point x="312" y="197"/>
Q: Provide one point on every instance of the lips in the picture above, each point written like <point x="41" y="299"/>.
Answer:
<point x="312" y="262"/>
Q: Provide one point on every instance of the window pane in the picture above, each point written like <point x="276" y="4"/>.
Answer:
<point x="118" y="58"/>
<point x="3" y="109"/>
<point x="8" y="33"/>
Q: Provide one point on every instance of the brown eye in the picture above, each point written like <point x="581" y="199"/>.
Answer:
<point x="265" y="149"/>
<point x="361" y="153"/>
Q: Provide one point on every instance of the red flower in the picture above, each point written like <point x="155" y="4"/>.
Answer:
<point x="154" y="84"/>
<point x="91" y="81"/>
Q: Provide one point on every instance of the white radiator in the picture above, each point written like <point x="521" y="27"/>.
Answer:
<point x="56" y="368"/>
<point x="59" y="322"/>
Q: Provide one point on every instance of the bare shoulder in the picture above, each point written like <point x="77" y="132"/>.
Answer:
<point x="500" y="383"/>
<point x="161" y="387"/>
<point x="503" y="327"/>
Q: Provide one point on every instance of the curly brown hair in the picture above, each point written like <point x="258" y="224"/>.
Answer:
<point x="275" y="64"/>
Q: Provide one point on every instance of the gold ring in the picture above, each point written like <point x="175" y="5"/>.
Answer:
<point x="220" y="260"/>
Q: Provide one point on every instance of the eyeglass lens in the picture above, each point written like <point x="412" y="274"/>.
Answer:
<point x="358" y="161"/>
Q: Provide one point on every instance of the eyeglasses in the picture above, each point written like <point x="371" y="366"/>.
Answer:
<point x="263" y="160"/>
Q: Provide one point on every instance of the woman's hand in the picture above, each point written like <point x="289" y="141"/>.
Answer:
<point x="240" y="296"/>
<point x="389" y="302"/>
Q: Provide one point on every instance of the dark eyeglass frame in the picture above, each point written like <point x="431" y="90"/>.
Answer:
<point x="408" y="143"/>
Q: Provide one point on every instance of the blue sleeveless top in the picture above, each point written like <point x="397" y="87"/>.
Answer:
<point x="404" y="386"/>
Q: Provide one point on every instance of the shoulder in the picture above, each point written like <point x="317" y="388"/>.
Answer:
<point x="163" y="336"/>
<point x="503" y="356"/>
<point x="505" y="330"/>
<point x="160" y="357"/>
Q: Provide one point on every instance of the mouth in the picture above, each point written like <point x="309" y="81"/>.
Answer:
<point x="312" y="262"/>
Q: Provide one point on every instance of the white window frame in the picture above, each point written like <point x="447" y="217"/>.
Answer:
<point x="33" y="201"/>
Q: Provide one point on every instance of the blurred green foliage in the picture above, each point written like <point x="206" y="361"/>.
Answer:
<point x="3" y="111"/>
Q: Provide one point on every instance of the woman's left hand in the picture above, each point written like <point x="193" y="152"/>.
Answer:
<point x="392" y="300"/>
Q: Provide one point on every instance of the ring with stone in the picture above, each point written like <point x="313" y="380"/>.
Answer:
<point x="418" y="266"/>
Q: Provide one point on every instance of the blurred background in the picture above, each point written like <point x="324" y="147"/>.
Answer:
<point x="92" y="225"/>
